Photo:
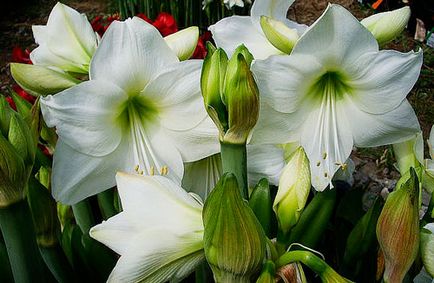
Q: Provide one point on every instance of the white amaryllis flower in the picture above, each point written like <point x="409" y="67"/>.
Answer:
<point x="141" y="109"/>
<point x="429" y="164"/>
<point x="336" y="90"/>
<point x="230" y="32"/>
<point x="230" y="3"/>
<point x="159" y="233"/>
<point x="67" y="42"/>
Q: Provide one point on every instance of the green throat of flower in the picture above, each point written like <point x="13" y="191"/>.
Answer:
<point x="137" y="111"/>
<point x="330" y="85"/>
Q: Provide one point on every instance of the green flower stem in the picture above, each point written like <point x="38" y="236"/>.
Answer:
<point x="234" y="160"/>
<point x="19" y="235"/>
<point x="58" y="264"/>
<point x="5" y="266"/>
<point x="84" y="216"/>
<point x="306" y="257"/>
<point x="106" y="202"/>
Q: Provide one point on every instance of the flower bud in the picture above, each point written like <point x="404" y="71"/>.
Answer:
<point x="294" y="188"/>
<point x="241" y="97"/>
<point x="234" y="241"/>
<point x="267" y="273"/>
<point x="278" y="34"/>
<point x="427" y="247"/>
<point x="261" y="203"/>
<point x="183" y="42"/>
<point x="387" y="26"/>
<point x="39" y="80"/>
<point x="212" y="82"/>
<point x="17" y="154"/>
<point x="398" y="228"/>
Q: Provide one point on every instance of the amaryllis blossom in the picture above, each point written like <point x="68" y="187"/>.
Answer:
<point x="336" y="90"/>
<point x="66" y="42"/>
<point x="140" y="111"/>
<point x="159" y="233"/>
<point x="230" y="32"/>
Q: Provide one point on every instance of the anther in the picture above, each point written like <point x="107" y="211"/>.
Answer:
<point x="324" y="155"/>
<point x="152" y="171"/>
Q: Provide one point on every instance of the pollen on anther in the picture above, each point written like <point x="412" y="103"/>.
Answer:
<point x="326" y="174"/>
<point x="140" y="172"/>
<point x="152" y="171"/>
<point x="137" y="168"/>
<point x="164" y="170"/>
<point x="324" y="155"/>
<point x="318" y="163"/>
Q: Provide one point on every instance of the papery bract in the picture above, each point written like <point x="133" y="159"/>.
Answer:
<point x="159" y="233"/>
<point x="141" y="109"/>
<point x="336" y="90"/>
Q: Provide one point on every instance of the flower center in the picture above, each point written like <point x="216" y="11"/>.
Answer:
<point x="331" y="84"/>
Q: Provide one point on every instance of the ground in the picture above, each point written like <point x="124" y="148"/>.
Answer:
<point x="375" y="166"/>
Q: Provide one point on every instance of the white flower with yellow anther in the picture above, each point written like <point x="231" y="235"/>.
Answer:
<point x="159" y="233"/>
<point x="141" y="107"/>
<point x="336" y="90"/>
<point x="230" y="32"/>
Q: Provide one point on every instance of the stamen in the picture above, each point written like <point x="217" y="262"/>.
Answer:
<point x="140" y="172"/>
<point x="318" y="163"/>
<point x="137" y="168"/>
<point x="152" y="171"/>
<point x="324" y="155"/>
<point x="325" y="174"/>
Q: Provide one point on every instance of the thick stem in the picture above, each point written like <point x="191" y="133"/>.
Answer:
<point x="106" y="201"/>
<point x="306" y="257"/>
<point x="58" y="264"/>
<point x="234" y="160"/>
<point x="19" y="235"/>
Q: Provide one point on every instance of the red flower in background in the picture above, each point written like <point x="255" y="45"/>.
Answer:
<point x="21" y="92"/>
<point x="11" y="103"/>
<point x="165" y="23"/>
<point x="200" y="51"/>
<point x="21" y="56"/>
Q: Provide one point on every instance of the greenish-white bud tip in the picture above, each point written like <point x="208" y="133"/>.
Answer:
<point x="241" y="97"/>
<point x="234" y="241"/>
<point x="387" y="26"/>
<point x="427" y="247"/>
<point x="398" y="228"/>
<point x="409" y="153"/>
<point x="183" y="42"/>
<point x="212" y="83"/>
<point x="294" y="188"/>
<point x="38" y="80"/>
<point x="278" y="34"/>
<point x="268" y="273"/>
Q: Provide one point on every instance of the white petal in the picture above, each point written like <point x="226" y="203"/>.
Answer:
<point x="284" y="81"/>
<point x="198" y="142"/>
<point x="265" y="161"/>
<point x="85" y="116"/>
<point x="201" y="176"/>
<point x="301" y="28"/>
<point x="327" y="140"/>
<point x="276" y="9"/>
<point x="183" y="42"/>
<point x="70" y="34"/>
<point x="382" y="80"/>
<point x="156" y="202"/>
<point x="371" y="130"/>
<point x="176" y="92"/>
<point x="231" y="32"/>
<point x="130" y="54"/>
<point x="158" y="256"/>
<point x="336" y="38"/>
<point x="40" y="33"/>
<point x="44" y="57"/>
<point x="274" y="127"/>
<point x="431" y="142"/>
<point x="77" y="176"/>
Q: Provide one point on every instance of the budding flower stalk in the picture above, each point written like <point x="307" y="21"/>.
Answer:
<point x="234" y="241"/>
<point x="398" y="228"/>
<point x="278" y="34"/>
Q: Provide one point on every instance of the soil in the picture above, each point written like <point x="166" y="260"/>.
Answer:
<point x="375" y="168"/>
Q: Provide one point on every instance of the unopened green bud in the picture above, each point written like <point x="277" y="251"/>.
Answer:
<point x="387" y="26"/>
<point x="278" y="34"/>
<point x="241" y="97"/>
<point x="234" y="241"/>
<point x="23" y="106"/>
<point x="261" y="203"/>
<point x="294" y="188"/>
<point x="242" y="49"/>
<point x="398" y="228"/>
<point x="427" y="247"/>
<point x="21" y="139"/>
<point x="39" y="80"/>
<point x="212" y="83"/>
<point x="5" y="116"/>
